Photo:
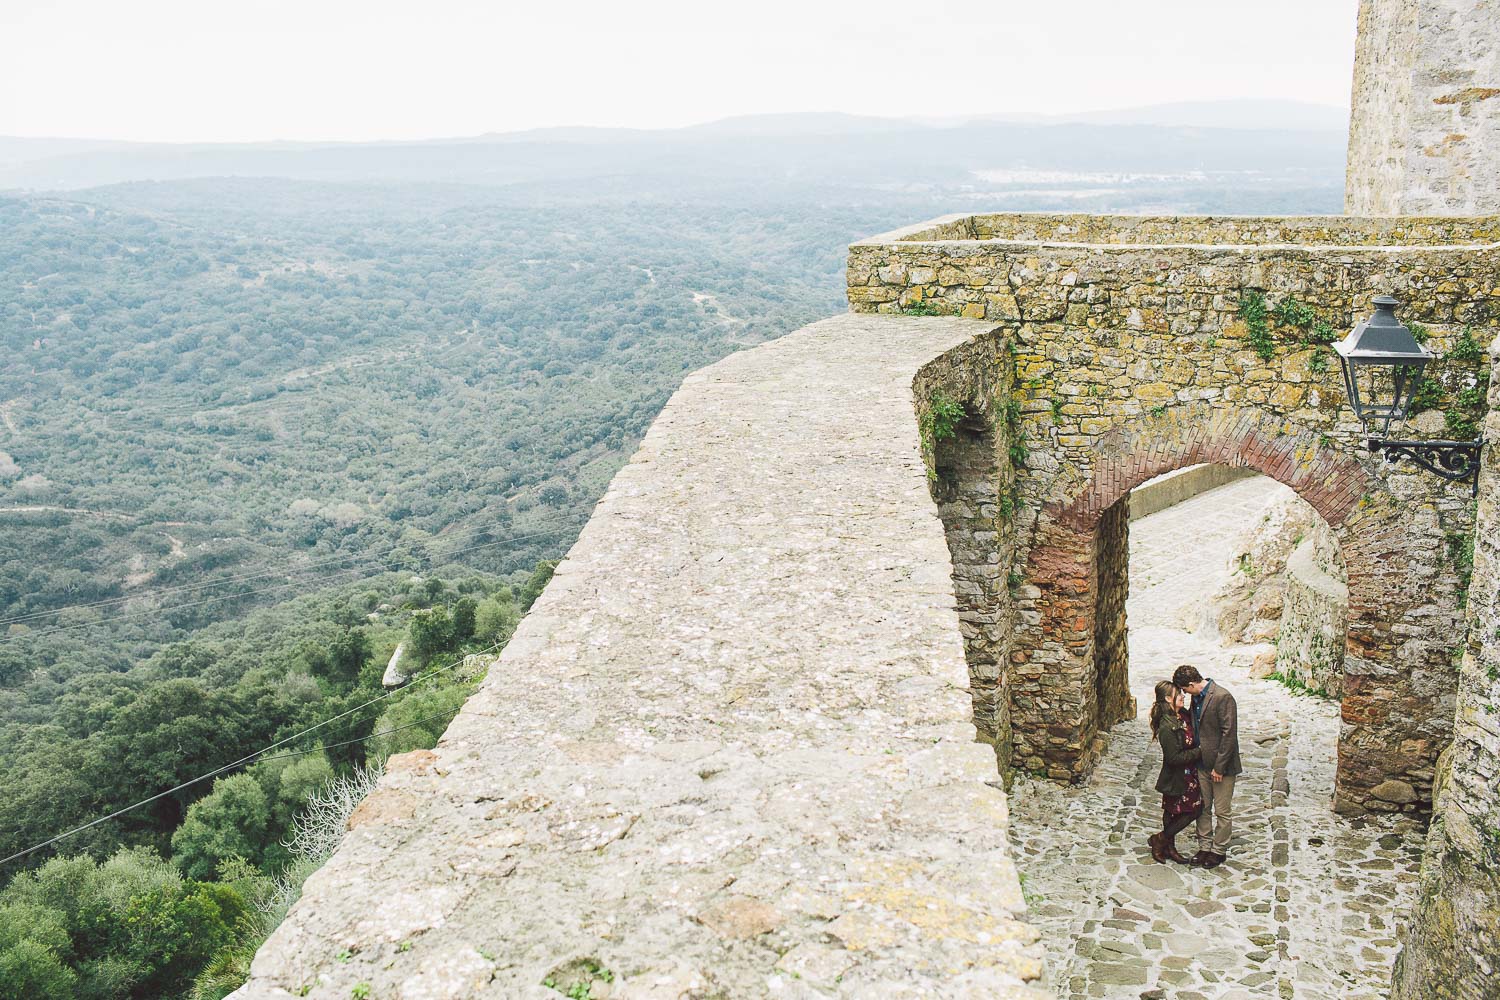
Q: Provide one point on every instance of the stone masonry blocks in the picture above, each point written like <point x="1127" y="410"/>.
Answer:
<point x="969" y="474"/>
<point x="1132" y="357"/>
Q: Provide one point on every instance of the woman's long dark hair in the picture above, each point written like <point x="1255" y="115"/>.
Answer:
<point x="1162" y="708"/>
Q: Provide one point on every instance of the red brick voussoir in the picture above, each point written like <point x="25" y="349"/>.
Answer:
<point x="1322" y="472"/>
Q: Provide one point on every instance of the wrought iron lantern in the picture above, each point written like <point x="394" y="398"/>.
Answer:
<point x="1383" y="366"/>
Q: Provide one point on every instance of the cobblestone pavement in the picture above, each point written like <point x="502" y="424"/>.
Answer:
<point x="1304" y="908"/>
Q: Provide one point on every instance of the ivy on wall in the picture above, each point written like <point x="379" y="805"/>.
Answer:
<point x="1456" y="378"/>
<point x="937" y="421"/>
<point x="1295" y="321"/>
<point x="1447" y="379"/>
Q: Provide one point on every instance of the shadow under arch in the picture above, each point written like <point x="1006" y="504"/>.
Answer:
<point x="1055" y="689"/>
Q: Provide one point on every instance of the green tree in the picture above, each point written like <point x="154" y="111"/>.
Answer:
<point x="420" y="718"/>
<point x="433" y="589"/>
<point x="431" y="633"/>
<point x="62" y="885"/>
<point x="464" y="613"/>
<point x="26" y="921"/>
<point x="287" y="783"/>
<point x="230" y="822"/>
<point x="175" y="730"/>
<point x="540" y="577"/>
<point x="348" y="652"/>
<point x="172" y="933"/>
<point x="29" y="970"/>
<point x="495" y="620"/>
<point x="107" y="977"/>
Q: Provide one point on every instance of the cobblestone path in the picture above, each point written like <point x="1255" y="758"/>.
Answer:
<point x="1304" y="908"/>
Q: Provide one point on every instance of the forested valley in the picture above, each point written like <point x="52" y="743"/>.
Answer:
<point x="257" y="432"/>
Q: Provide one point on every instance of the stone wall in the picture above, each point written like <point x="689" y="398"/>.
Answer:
<point x="970" y="473"/>
<point x="1453" y="946"/>
<point x="730" y="751"/>
<point x="1314" y="617"/>
<point x="1249" y="607"/>
<point x="1134" y="359"/>
<point x="1074" y="229"/>
<point x="1175" y="487"/>
<point x="1111" y="636"/>
<point x="1423" y="136"/>
<point x="1288" y="586"/>
<point x="1380" y="121"/>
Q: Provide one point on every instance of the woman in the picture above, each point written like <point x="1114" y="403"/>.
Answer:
<point x="1172" y="726"/>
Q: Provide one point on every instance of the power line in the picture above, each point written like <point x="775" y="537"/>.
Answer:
<point x="351" y="726"/>
<point x="188" y="587"/>
<point x="249" y="758"/>
<point x="334" y="746"/>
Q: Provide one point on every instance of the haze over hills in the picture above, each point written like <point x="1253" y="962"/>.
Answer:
<point x="1296" y="116"/>
<point x="781" y="151"/>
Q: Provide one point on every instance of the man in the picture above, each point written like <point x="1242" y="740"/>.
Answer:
<point x="1216" y="723"/>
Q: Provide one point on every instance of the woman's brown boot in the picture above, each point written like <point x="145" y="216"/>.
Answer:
<point x="1158" y="848"/>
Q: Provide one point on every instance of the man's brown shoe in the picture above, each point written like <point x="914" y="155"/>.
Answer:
<point x="1200" y="860"/>
<point x="1213" y="860"/>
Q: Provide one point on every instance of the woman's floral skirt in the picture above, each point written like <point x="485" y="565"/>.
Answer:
<point x="1188" y="802"/>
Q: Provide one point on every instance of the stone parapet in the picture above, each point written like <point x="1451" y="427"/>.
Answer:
<point x="1181" y="277"/>
<point x="1314" y="618"/>
<point x="1183" y="484"/>
<point x="729" y="753"/>
<point x="970" y="477"/>
<point x="1079" y="229"/>
<point x="1145" y="345"/>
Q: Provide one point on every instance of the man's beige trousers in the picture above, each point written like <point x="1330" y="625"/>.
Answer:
<point x="1216" y="821"/>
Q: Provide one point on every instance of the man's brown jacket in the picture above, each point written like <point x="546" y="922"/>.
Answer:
<point x="1219" y="731"/>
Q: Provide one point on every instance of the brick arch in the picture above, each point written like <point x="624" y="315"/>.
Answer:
<point x="1323" y="472"/>
<point x="1066" y="575"/>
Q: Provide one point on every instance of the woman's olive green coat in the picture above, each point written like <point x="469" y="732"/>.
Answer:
<point x="1176" y="756"/>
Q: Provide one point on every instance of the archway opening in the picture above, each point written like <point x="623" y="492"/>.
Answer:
<point x="1216" y="566"/>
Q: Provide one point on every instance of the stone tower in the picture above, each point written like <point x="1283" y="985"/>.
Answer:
<point x="1423" y="138"/>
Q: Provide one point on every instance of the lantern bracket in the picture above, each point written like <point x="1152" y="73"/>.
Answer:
<point x="1455" y="461"/>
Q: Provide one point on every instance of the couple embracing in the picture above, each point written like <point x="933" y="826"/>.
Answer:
<point x="1197" y="724"/>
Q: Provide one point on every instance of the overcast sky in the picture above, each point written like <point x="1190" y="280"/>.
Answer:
<point x="199" y="70"/>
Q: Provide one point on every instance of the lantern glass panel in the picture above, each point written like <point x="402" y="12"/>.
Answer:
<point x="1381" y="392"/>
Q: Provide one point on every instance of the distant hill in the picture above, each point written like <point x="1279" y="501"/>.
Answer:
<point x="765" y="152"/>
<point x="18" y="150"/>
<point x="1276" y="116"/>
<point x="803" y="123"/>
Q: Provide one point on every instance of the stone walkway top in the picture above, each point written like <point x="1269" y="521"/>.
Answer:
<point x="730" y="751"/>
